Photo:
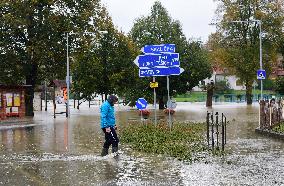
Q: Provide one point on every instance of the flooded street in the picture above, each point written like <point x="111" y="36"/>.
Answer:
<point x="67" y="152"/>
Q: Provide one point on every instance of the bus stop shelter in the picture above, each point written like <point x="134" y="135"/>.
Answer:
<point x="12" y="101"/>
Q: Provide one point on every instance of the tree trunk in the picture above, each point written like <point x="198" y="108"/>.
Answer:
<point x="29" y="97"/>
<point x="249" y="92"/>
<point x="210" y="89"/>
<point x="161" y="103"/>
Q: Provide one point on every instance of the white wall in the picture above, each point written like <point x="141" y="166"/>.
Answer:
<point x="232" y="80"/>
<point x="37" y="101"/>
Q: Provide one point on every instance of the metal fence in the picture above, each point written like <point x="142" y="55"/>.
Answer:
<point x="216" y="130"/>
<point x="270" y="113"/>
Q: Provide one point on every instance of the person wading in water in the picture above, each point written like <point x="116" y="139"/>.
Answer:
<point x="108" y="125"/>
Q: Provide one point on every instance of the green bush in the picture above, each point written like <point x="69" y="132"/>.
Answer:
<point x="179" y="142"/>
<point x="222" y="87"/>
<point x="279" y="128"/>
<point x="279" y="85"/>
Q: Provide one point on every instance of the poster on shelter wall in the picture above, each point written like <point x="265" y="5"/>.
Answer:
<point x="17" y="100"/>
<point x="9" y="98"/>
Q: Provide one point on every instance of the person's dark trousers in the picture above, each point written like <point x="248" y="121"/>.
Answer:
<point x="111" y="139"/>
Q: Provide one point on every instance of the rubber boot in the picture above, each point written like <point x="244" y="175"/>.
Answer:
<point x="104" y="152"/>
<point x="114" y="149"/>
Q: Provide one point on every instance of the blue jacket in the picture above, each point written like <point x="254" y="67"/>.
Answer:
<point x="107" y="115"/>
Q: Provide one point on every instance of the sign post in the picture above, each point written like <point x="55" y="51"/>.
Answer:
<point x="155" y="104"/>
<point x="168" y="88"/>
<point x="141" y="104"/>
<point x="159" y="60"/>
<point x="261" y="75"/>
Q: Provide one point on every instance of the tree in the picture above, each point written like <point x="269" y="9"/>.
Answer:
<point x="222" y="87"/>
<point x="279" y="85"/>
<point x="106" y="66"/>
<point x="33" y="42"/>
<point x="236" y="45"/>
<point x="159" y="28"/>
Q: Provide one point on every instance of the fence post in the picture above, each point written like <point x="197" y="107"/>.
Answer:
<point x="223" y="133"/>
<point x="262" y="114"/>
<point x="225" y="129"/>
<point x="212" y="130"/>
<point x="217" y="129"/>
<point x="207" y="122"/>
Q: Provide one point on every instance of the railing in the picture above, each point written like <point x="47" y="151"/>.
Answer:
<point x="270" y="113"/>
<point x="237" y="98"/>
<point x="216" y="131"/>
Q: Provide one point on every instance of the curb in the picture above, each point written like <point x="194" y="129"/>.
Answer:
<point x="17" y="126"/>
<point x="270" y="133"/>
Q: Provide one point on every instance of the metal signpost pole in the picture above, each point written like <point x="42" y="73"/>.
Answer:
<point x="155" y="104"/>
<point x="45" y="98"/>
<point x="260" y="56"/>
<point x="67" y="80"/>
<point x="168" y="87"/>
<point x="260" y="63"/>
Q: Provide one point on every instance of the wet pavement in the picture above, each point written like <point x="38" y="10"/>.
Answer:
<point x="48" y="151"/>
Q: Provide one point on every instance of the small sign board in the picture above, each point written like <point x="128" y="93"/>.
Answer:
<point x="261" y="74"/>
<point x="171" y="104"/>
<point x="155" y="49"/>
<point x="160" y="71"/>
<point x="157" y="60"/>
<point x="141" y="104"/>
<point x="154" y="84"/>
<point x="66" y="79"/>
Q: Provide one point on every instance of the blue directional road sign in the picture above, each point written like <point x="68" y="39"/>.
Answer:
<point x="157" y="60"/>
<point x="160" y="71"/>
<point x="261" y="74"/>
<point x="156" y="49"/>
<point x="141" y="103"/>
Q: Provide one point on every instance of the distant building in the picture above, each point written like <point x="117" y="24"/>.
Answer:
<point x="221" y="74"/>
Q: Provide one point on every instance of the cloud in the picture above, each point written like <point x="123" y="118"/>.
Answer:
<point x="194" y="15"/>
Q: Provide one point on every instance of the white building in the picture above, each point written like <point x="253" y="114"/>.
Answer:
<point x="221" y="75"/>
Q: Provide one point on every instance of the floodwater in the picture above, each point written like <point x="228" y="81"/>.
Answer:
<point x="48" y="151"/>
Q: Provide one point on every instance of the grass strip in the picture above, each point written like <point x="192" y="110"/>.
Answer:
<point x="180" y="142"/>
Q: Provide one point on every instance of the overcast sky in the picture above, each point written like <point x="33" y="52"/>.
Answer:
<point x="194" y="15"/>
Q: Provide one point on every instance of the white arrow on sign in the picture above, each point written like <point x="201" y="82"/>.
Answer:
<point x="136" y="61"/>
<point x="141" y="103"/>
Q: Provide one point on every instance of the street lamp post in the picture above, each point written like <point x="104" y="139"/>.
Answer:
<point x="260" y="47"/>
<point x="68" y="67"/>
